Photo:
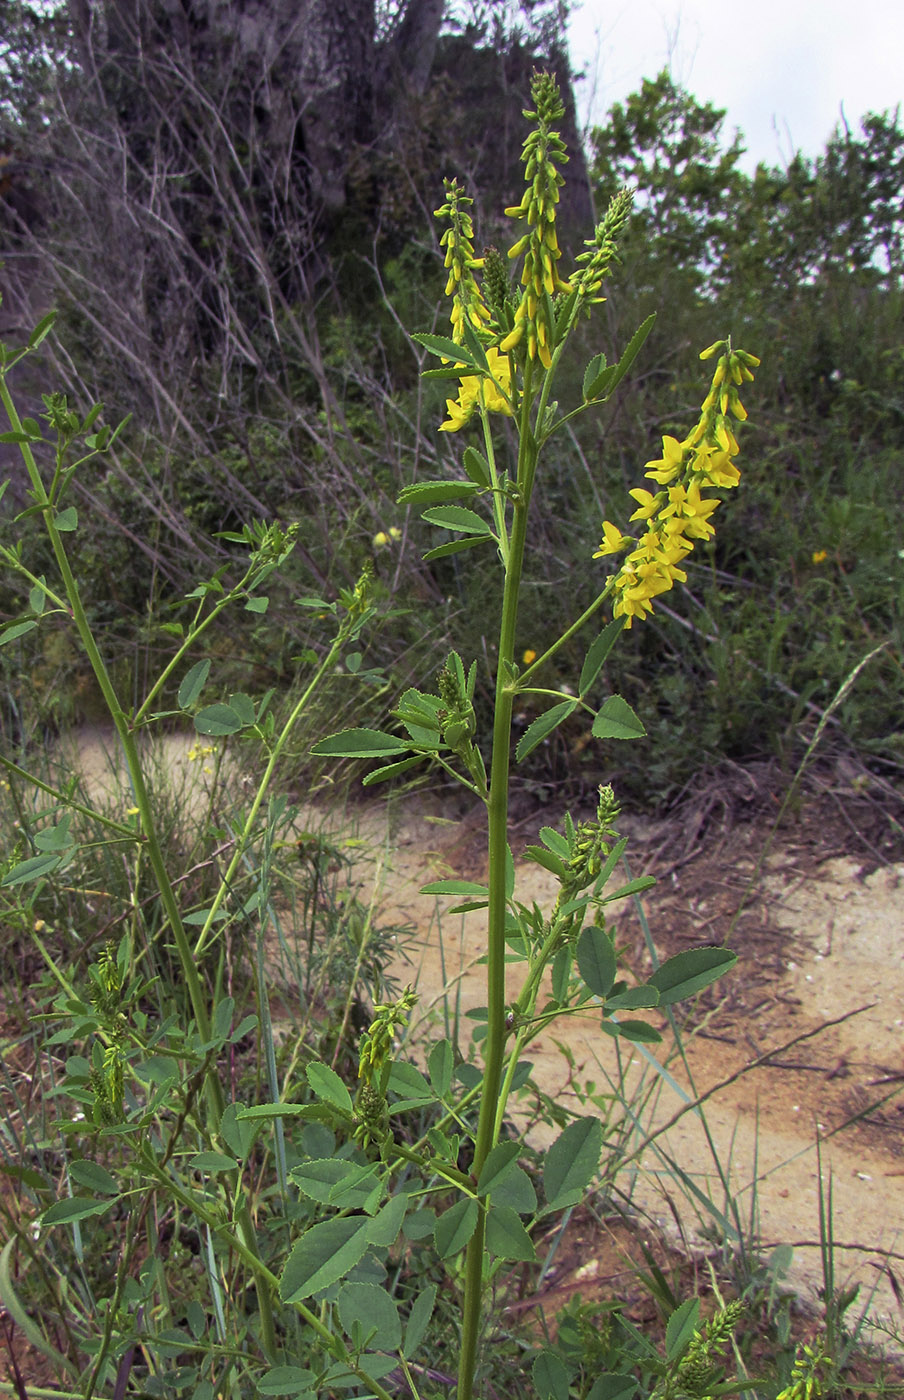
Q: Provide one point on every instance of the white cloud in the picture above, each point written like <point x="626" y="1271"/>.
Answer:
<point x="783" y="69"/>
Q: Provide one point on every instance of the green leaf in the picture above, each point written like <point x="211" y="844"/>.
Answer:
<point x="333" y="1181"/>
<point x="192" y="684"/>
<point x="37" y="598"/>
<point x="548" y="860"/>
<point x="95" y="1177"/>
<point x="555" y="841"/>
<point x="441" y="345"/>
<point x="383" y="1229"/>
<point x="244" y="707"/>
<point x="257" y="605"/>
<point x="74" y="1208"/>
<point x="323" y="1255"/>
<point x="440" y="1064"/>
<point x="67" y="520"/>
<point x="500" y="1161"/>
<point x="328" y="1087"/>
<point x="572" y="1162"/>
<point x="419" y="1319"/>
<point x="596" y="960"/>
<point x="516" y="1191"/>
<point x="373" y="1311"/>
<point x="477" y="467"/>
<point x="456" y="887"/>
<point x="542" y="726"/>
<point x="507" y="1237"/>
<point x="612" y="1386"/>
<point x="391" y="770"/>
<point x="635" y="344"/>
<point x="638" y="1032"/>
<point x="616" y="720"/>
<point x="634" y="999"/>
<point x="597" y="653"/>
<point x="643" y="882"/>
<point x="213" y="1162"/>
<point x="475" y="346"/>
<point x="681" y="1327"/>
<point x="687" y="973"/>
<point x="294" y="1381"/>
<point x="436" y="492"/>
<point x="459" y="518"/>
<point x="592" y="374"/>
<point x="407" y="1081"/>
<point x="42" y="329"/>
<point x="217" y="720"/>
<point x="237" y="1134"/>
<point x="200" y="916"/>
<point x="31" y="869"/>
<point x="360" y="743"/>
<point x="17" y="629"/>
<point x="455" y="1227"/>
<point x="550" y="1376"/>
<point x="456" y="546"/>
<point x="55" y="838"/>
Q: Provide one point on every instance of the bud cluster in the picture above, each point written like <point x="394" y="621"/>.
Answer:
<point x="601" y="249"/>
<point x="543" y="150"/>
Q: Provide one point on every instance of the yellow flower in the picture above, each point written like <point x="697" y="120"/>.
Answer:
<point x="613" y="540"/>
<point x="648" y="504"/>
<point x="820" y="556"/>
<point x="529" y="656"/>
<point x="669" y="464"/>
<point x="381" y="539"/>
<point x="477" y="390"/>
<point x="132" y="812"/>
<point x="680" y="514"/>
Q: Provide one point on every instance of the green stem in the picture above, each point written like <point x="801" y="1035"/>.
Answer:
<point x="213" y="1088"/>
<point x="10" y="767"/>
<point x="195" y="631"/>
<point x="494" y="1050"/>
<point x="248" y="827"/>
<point x="575" y="627"/>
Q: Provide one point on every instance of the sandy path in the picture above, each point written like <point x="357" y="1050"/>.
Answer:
<point x="841" y="941"/>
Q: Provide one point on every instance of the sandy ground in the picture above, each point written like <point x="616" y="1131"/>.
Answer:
<point x="805" y="1036"/>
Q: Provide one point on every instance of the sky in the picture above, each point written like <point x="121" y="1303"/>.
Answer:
<point x="785" y="70"/>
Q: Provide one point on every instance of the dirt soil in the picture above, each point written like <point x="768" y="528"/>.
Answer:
<point x="800" y="1047"/>
<point x="802" y="1044"/>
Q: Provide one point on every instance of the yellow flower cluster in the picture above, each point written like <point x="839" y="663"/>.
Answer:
<point x="492" y="394"/>
<point x="678" y="515"/>
<point x="468" y="304"/>
<point x="540" y="277"/>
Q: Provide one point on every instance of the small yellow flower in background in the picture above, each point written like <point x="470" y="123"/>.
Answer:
<point x="199" y="751"/>
<point x="132" y="812"/>
<point x="679" y="515"/>
<point x="529" y="656"/>
<point x="820" y="556"/>
<point x="40" y="925"/>
<point x="381" y="540"/>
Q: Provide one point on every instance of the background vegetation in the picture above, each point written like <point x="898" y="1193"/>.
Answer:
<point x="169" y="195"/>
<point x="235" y="221"/>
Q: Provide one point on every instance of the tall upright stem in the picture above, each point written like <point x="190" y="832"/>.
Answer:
<point x="494" y="1044"/>
<point x="212" y="1086"/>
